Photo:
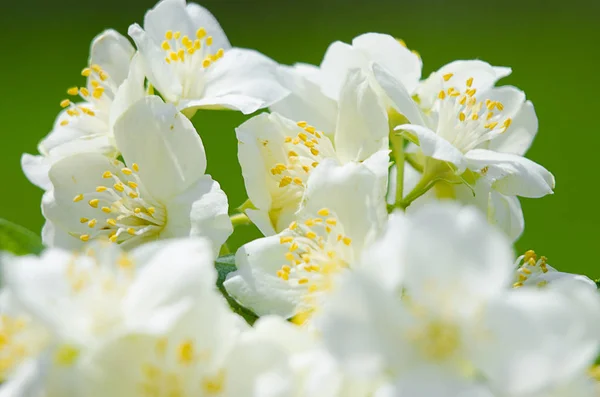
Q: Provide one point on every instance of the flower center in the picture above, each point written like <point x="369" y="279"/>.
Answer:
<point x="318" y="250"/>
<point x="466" y="122"/>
<point x="189" y="56"/>
<point x="171" y="366"/>
<point x="125" y="210"/>
<point x="14" y="344"/>
<point x="437" y="340"/>
<point x="530" y="266"/>
<point x="100" y="92"/>
<point x="304" y="151"/>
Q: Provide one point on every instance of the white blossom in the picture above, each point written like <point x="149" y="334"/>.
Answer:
<point x="160" y="191"/>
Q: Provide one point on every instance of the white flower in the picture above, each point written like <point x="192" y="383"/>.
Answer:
<point x="189" y="60"/>
<point x="316" y="91"/>
<point x="443" y="319"/>
<point x="21" y="337"/>
<point x="310" y="370"/>
<point x="366" y="49"/>
<point x="534" y="271"/>
<point x="86" y="300"/>
<point x="278" y="155"/>
<point x="112" y="85"/>
<point x="482" y="131"/>
<point x="161" y="191"/>
<point x="306" y="100"/>
<point x="288" y="274"/>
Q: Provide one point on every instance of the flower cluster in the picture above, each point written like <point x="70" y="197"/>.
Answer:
<point x="388" y="204"/>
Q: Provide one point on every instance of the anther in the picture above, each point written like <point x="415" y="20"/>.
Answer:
<point x="323" y="212"/>
<point x="73" y="91"/>
<point x="77" y="198"/>
<point x="64" y="103"/>
<point x="94" y="203"/>
<point x="448" y="76"/>
<point x="84" y="237"/>
<point x="106" y="210"/>
<point x="107" y="174"/>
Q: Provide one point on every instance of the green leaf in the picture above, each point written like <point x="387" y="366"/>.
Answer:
<point x="18" y="240"/>
<point x="225" y="265"/>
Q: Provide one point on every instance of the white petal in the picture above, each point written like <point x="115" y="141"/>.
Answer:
<point x="360" y="323"/>
<point x="81" y="130"/>
<point x="339" y="58"/>
<point x="519" y="136"/>
<point x="169" y="15"/>
<point x="564" y="318"/>
<point x="400" y="97"/>
<point x="255" y="284"/>
<point x="41" y="287"/>
<point x="386" y="51"/>
<point x="306" y="101"/>
<point x="202" y="18"/>
<point x="262" y="221"/>
<point x="383" y="259"/>
<point x="28" y="381"/>
<point x="164" y="144"/>
<point x="362" y="124"/>
<point x="201" y="210"/>
<point x="243" y="80"/>
<point x="158" y="71"/>
<point x="36" y="169"/>
<point x="510" y="174"/>
<point x="174" y="275"/>
<point x="434" y="146"/>
<point x="113" y="52"/>
<point x="453" y="256"/>
<point x="354" y="193"/>
<point x="130" y="91"/>
<point x="506" y="213"/>
<point x="71" y="176"/>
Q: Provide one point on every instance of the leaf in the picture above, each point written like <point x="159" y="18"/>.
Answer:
<point x="18" y="240"/>
<point x="225" y="265"/>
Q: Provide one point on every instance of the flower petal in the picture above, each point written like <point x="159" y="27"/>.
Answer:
<point x="306" y="101"/>
<point x="564" y="317"/>
<point x="519" y="136"/>
<point x="401" y="99"/>
<point x="113" y="52"/>
<point x="169" y="15"/>
<point x="164" y="144"/>
<point x="451" y="248"/>
<point x="386" y="51"/>
<point x="243" y="80"/>
<point x="510" y="174"/>
<point x="174" y="275"/>
<point x="354" y="193"/>
<point x="339" y="58"/>
<point x="255" y="284"/>
<point x="202" y="18"/>
<point x="201" y="210"/>
<point x="36" y="169"/>
<point x="434" y="146"/>
<point x="156" y="69"/>
<point x="362" y="124"/>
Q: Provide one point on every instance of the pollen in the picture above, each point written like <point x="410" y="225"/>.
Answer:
<point x="285" y="239"/>
<point x="209" y="40"/>
<point x="185" y="352"/>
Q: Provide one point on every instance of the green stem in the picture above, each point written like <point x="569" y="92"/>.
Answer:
<point x="397" y="142"/>
<point x="239" y="219"/>
<point x="427" y="181"/>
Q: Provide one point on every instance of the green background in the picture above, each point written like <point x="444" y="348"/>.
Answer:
<point x="551" y="46"/>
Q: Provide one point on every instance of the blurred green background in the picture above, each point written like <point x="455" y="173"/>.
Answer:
<point x="551" y="46"/>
